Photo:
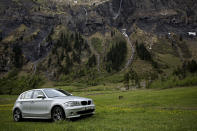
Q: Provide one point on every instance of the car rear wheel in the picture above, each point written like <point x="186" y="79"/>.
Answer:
<point x="58" y="114"/>
<point x="17" y="115"/>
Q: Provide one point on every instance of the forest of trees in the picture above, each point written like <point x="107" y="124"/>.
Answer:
<point x="116" y="56"/>
<point x="131" y="78"/>
<point x="17" y="56"/>
<point x="187" y="67"/>
<point x="68" y="51"/>
<point x="143" y="53"/>
<point x="1" y="36"/>
<point x="92" y="61"/>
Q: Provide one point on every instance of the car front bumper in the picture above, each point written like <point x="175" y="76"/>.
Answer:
<point x="77" y="111"/>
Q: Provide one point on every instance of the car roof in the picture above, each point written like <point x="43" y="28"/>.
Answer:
<point x="37" y="89"/>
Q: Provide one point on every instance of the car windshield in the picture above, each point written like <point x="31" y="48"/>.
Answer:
<point x="55" y="93"/>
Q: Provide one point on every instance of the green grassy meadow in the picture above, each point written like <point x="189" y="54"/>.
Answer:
<point x="172" y="109"/>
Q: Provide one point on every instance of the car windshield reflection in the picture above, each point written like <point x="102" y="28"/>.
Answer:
<point x="51" y="93"/>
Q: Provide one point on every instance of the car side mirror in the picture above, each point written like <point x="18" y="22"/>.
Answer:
<point x="41" y="96"/>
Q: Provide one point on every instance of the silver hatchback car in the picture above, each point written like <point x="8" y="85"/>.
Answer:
<point x="52" y="104"/>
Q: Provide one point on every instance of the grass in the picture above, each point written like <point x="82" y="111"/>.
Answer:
<point x="170" y="60"/>
<point x="97" y="43"/>
<point x="142" y="67"/>
<point x="174" y="82"/>
<point x="16" y="34"/>
<point x="170" y="109"/>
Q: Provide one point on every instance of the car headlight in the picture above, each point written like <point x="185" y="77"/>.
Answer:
<point x="72" y="103"/>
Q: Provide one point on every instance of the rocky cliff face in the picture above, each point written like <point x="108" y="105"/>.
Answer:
<point x="162" y="16"/>
<point x="28" y="23"/>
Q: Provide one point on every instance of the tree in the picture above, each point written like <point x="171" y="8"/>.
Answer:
<point x="92" y="61"/>
<point x="126" y="80"/>
<point x="190" y="66"/>
<point x="17" y="56"/>
<point x="143" y="53"/>
<point x="1" y="36"/>
<point x="130" y="77"/>
<point x="116" y="56"/>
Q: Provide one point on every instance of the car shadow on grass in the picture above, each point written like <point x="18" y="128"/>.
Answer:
<point x="80" y="118"/>
<point x="37" y="120"/>
<point x="50" y="121"/>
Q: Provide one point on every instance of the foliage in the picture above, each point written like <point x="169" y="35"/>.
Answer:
<point x="174" y="81"/>
<point x="182" y="76"/>
<point x="97" y="43"/>
<point x="184" y="49"/>
<point x="190" y="66"/>
<point x="143" y="53"/>
<point x="131" y="77"/>
<point x="1" y="35"/>
<point x="66" y="52"/>
<point x="13" y="84"/>
<point x="92" y="61"/>
<point x="116" y="56"/>
<point x="187" y="67"/>
<point x="17" y="56"/>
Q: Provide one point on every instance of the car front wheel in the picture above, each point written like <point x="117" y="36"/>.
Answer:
<point x="17" y="115"/>
<point x="58" y="114"/>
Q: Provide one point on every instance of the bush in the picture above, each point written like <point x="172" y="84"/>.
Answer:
<point x="143" y="53"/>
<point x="12" y="84"/>
<point x="116" y="56"/>
<point x="174" y="81"/>
<point x="91" y="61"/>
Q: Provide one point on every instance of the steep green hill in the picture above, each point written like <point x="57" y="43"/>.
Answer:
<point x="96" y="42"/>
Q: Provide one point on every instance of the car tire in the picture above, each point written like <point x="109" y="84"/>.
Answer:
<point x="17" y="115"/>
<point x="57" y="114"/>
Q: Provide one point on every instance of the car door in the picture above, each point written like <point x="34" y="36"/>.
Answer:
<point x="40" y="107"/>
<point x="25" y="103"/>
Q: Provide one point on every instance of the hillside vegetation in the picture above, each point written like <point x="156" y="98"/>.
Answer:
<point x="134" y="44"/>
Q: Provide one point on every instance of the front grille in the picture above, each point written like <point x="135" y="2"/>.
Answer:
<point x="84" y="103"/>
<point x="86" y="111"/>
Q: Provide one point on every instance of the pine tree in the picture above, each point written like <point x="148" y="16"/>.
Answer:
<point x="143" y="53"/>
<point x="1" y="36"/>
<point x="17" y="56"/>
<point x="116" y="56"/>
<point x="92" y="61"/>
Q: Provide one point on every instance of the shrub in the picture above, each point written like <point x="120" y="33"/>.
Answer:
<point x="116" y="56"/>
<point x="12" y="84"/>
<point x="92" y="61"/>
<point x="143" y="53"/>
<point x="174" y="81"/>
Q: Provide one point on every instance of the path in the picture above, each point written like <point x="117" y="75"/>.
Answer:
<point x="130" y="60"/>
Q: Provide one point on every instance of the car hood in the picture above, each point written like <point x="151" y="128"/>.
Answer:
<point x="72" y="98"/>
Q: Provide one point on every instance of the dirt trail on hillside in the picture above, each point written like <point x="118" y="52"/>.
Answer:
<point x="130" y="60"/>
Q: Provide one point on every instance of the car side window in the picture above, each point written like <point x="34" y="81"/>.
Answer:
<point x="28" y="95"/>
<point x="37" y="93"/>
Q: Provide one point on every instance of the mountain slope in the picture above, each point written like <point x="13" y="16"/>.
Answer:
<point x="32" y="32"/>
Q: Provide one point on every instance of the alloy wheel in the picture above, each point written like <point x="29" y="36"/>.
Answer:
<point x="17" y="115"/>
<point x="58" y="114"/>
